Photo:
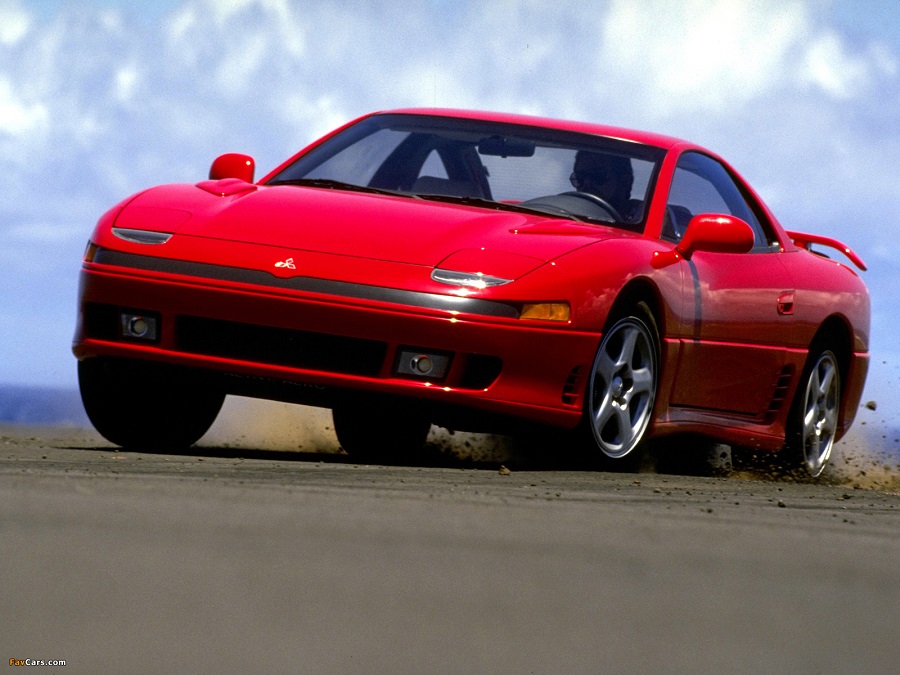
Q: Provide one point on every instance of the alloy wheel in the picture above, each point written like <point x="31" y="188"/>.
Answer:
<point x="821" y="404"/>
<point x="623" y="387"/>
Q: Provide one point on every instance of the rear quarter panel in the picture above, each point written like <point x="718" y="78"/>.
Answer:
<point x="827" y="288"/>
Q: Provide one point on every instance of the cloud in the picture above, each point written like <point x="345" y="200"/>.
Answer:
<point x="14" y="23"/>
<point x="717" y="57"/>
<point x="16" y="116"/>
<point x="127" y="80"/>
<point x="700" y="53"/>
<point x="828" y="65"/>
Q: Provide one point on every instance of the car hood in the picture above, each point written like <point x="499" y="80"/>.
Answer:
<point x="354" y="224"/>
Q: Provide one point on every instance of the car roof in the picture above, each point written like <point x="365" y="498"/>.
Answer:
<point x="647" y="138"/>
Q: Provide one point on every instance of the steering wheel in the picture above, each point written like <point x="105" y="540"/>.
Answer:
<point x="599" y="201"/>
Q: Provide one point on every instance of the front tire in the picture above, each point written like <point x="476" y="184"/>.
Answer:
<point x="622" y="389"/>
<point x="813" y="422"/>
<point x="148" y="406"/>
<point x="380" y="432"/>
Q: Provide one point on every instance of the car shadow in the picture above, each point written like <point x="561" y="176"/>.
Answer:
<point x="431" y="457"/>
<point x="691" y="459"/>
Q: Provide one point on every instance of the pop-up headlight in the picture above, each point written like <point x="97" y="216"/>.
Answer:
<point x="467" y="279"/>
<point x="141" y="236"/>
<point x="478" y="268"/>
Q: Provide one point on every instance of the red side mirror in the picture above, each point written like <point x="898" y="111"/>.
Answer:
<point x="233" y="165"/>
<point x="715" y="233"/>
<point x="711" y="232"/>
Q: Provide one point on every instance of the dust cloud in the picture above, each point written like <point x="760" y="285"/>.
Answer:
<point x="271" y="425"/>
<point x="868" y="457"/>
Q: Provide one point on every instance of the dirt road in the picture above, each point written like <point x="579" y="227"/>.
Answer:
<point x="239" y="560"/>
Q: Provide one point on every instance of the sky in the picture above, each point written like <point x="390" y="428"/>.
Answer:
<point x="102" y="98"/>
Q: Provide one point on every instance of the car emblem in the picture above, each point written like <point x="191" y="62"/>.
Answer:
<point x="289" y="264"/>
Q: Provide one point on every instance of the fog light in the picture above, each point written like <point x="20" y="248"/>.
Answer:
<point x="139" y="326"/>
<point x="420" y="363"/>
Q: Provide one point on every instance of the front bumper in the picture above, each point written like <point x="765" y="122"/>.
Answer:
<point x="296" y="342"/>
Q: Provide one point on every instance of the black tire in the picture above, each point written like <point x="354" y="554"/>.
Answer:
<point x="148" y="406"/>
<point x="692" y="455"/>
<point x="380" y="431"/>
<point x="621" y="390"/>
<point x="813" y="419"/>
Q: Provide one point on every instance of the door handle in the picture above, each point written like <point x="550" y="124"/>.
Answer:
<point x="786" y="303"/>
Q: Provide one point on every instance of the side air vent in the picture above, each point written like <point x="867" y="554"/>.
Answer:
<point x="779" y="393"/>
<point x="570" y="389"/>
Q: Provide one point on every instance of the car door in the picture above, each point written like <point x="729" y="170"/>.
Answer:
<point x="737" y="308"/>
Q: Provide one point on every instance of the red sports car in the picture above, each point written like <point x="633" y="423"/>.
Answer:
<point x="477" y="271"/>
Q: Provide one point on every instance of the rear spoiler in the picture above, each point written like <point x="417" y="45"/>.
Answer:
<point x="804" y="241"/>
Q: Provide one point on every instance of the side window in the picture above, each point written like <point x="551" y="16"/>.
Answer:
<point x="702" y="185"/>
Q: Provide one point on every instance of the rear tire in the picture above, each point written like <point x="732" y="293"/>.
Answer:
<point x="380" y="432"/>
<point x="813" y="421"/>
<point x="692" y="455"/>
<point x="148" y="406"/>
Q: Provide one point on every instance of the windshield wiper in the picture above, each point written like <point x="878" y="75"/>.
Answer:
<point x="332" y="184"/>
<point x="337" y="185"/>
<point x="504" y="206"/>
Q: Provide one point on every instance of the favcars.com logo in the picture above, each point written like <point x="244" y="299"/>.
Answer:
<point x="35" y="662"/>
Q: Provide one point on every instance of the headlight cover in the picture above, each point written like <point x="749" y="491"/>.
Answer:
<point x="141" y="236"/>
<point x="467" y="279"/>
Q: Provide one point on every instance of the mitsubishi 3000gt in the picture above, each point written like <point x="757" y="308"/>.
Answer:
<point x="477" y="271"/>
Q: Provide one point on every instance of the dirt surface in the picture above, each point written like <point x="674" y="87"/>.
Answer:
<point x="238" y="559"/>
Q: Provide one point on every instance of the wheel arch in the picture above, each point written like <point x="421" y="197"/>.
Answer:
<point x="636" y="291"/>
<point x="836" y="334"/>
<point x="623" y="383"/>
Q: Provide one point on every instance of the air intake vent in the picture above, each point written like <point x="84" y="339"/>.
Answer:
<point x="280" y="346"/>
<point x="779" y="393"/>
<point x="570" y="389"/>
<point x="480" y="371"/>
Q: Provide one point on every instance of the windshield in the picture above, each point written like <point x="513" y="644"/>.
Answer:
<point x="496" y="165"/>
